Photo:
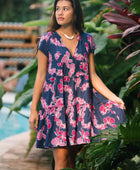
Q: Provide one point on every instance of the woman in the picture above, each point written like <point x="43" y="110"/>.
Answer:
<point x="70" y="107"/>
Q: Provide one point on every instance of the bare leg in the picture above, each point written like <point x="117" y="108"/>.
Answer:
<point x="64" y="157"/>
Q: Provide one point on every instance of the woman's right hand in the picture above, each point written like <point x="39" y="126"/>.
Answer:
<point x="33" y="120"/>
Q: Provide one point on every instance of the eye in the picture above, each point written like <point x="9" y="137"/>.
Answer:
<point x="57" y="8"/>
<point x="65" y="9"/>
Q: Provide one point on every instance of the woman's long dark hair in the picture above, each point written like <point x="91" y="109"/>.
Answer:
<point x="77" y="22"/>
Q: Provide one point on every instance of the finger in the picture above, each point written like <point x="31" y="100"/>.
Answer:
<point x="31" y="125"/>
<point x="36" y="124"/>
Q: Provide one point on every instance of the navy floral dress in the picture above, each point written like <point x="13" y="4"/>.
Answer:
<point x="71" y="111"/>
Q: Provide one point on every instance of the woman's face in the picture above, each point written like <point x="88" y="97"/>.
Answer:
<point x="64" y="12"/>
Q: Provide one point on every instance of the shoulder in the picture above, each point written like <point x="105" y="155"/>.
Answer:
<point x="87" y="35"/>
<point x="46" y="36"/>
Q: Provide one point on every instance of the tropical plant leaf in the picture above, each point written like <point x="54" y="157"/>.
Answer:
<point x="130" y="131"/>
<point x="115" y="36"/>
<point x="115" y="6"/>
<point x="24" y="99"/>
<point x="122" y="67"/>
<point x="130" y="45"/>
<point x="132" y="54"/>
<point x="101" y="42"/>
<point x="33" y="134"/>
<point x="27" y="69"/>
<point x="119" y="19"/>
<point x="37" y="23"/>
<point x="92" y="27"/>
<point x="130" y="30"/>
<point x="2" y="92"/>
<point x="135" y="5"/>
<point x="132" y="83"/>
<point x="99" y="17"/>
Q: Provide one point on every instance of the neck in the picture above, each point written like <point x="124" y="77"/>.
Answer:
<point x="67" y="30"/>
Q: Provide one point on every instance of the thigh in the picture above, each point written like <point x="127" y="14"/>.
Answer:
<point x="60" y="153"/>
<point x="65" y="152"/>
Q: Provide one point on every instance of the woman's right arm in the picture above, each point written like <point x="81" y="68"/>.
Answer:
<point x="38" y="87"/>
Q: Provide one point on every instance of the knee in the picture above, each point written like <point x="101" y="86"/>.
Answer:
<point x="61" y="157"/>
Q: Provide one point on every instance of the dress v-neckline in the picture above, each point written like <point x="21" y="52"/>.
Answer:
<point x="67" y="47"/>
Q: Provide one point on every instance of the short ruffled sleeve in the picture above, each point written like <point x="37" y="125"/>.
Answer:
<point x="92" y="44"/>
<point x="44" y="44"/>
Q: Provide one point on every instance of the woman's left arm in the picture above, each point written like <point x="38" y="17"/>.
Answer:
<point x="98" y="84"/>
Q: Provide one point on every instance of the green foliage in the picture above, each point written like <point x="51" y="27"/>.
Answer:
<point x="116" y="150"/>
<point x="131" y="131"/>
<point x="18" y="11"/>
<point x="113" y="148"/>
<point x="132" y="83"/>
<point x="40" y="22"/>
<point x="135" y="6"/>
<point x="22" y="100"/>
<point x="32" y="141"/>
<point x="24" y="97"/>
<point x="101" y="42"/>
<point x="2" y="92"/>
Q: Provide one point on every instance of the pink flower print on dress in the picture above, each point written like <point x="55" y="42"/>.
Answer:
<point x="80" y="73"/>
<point x="57" y="55"/>
<point x="52" y="110"/>
<point x="60" y="64"/>
<point x="80" y="118"/>
<point x="59" y="123"/>
<point x="72" y="69"/>
<point x="77" y="81"/>
<point x="74" y="136"/>
<point x="98" y="126"/>
<point x="59" y="102"/>
<point x="92" y="44"/>
<point x="80" y="140"/>
<point x="50" y="69"/>
<point x="42" y="116"/>
<point x="49" y="125"/>
<point x="87" y="47"/>
<point x="55" y="141"/>
<point x="78" y="37"/>
<point x="109" y="104"/>
<point x="86" y="57"/>
<point x="87" y="77"/>
<point x="70" y="94"/>
<point x="60" y="87"/>
<point x="103" y="109"/>
<point x="48" y="87"/>
<point x="59" y="72"/>
<point x="40" y="133"/>
<point x="56" y="42"/>
<point x="85" y="135"/>
<point x="66" y="78"/>
<point x="44" y="104"/>
<point x="52" y="79"/>
<point x="110" y="121"/>
<point x="79" y="100"/>
<point x="45" y="37"/>
<point x="94" y="91"/>
<point x="60" y="137"/>
<point x="78" y="56"/>
<point x="117" y="105"/>
<point x="65" y="59"/>
<point x="85" y="86"/>
<point x="84" y="66"/>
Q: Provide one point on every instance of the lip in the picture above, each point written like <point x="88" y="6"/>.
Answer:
<point x="60" y="18"/>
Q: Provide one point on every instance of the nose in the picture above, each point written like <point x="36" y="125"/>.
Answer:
<point x="60" y="12"/>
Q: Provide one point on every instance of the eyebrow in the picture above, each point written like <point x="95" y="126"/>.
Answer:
<point x="63" y="6"/>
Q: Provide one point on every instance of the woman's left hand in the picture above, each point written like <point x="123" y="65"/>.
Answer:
<point x="119" y="101"/>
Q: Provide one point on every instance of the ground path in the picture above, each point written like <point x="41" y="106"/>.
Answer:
<point x="13" y="149"/>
